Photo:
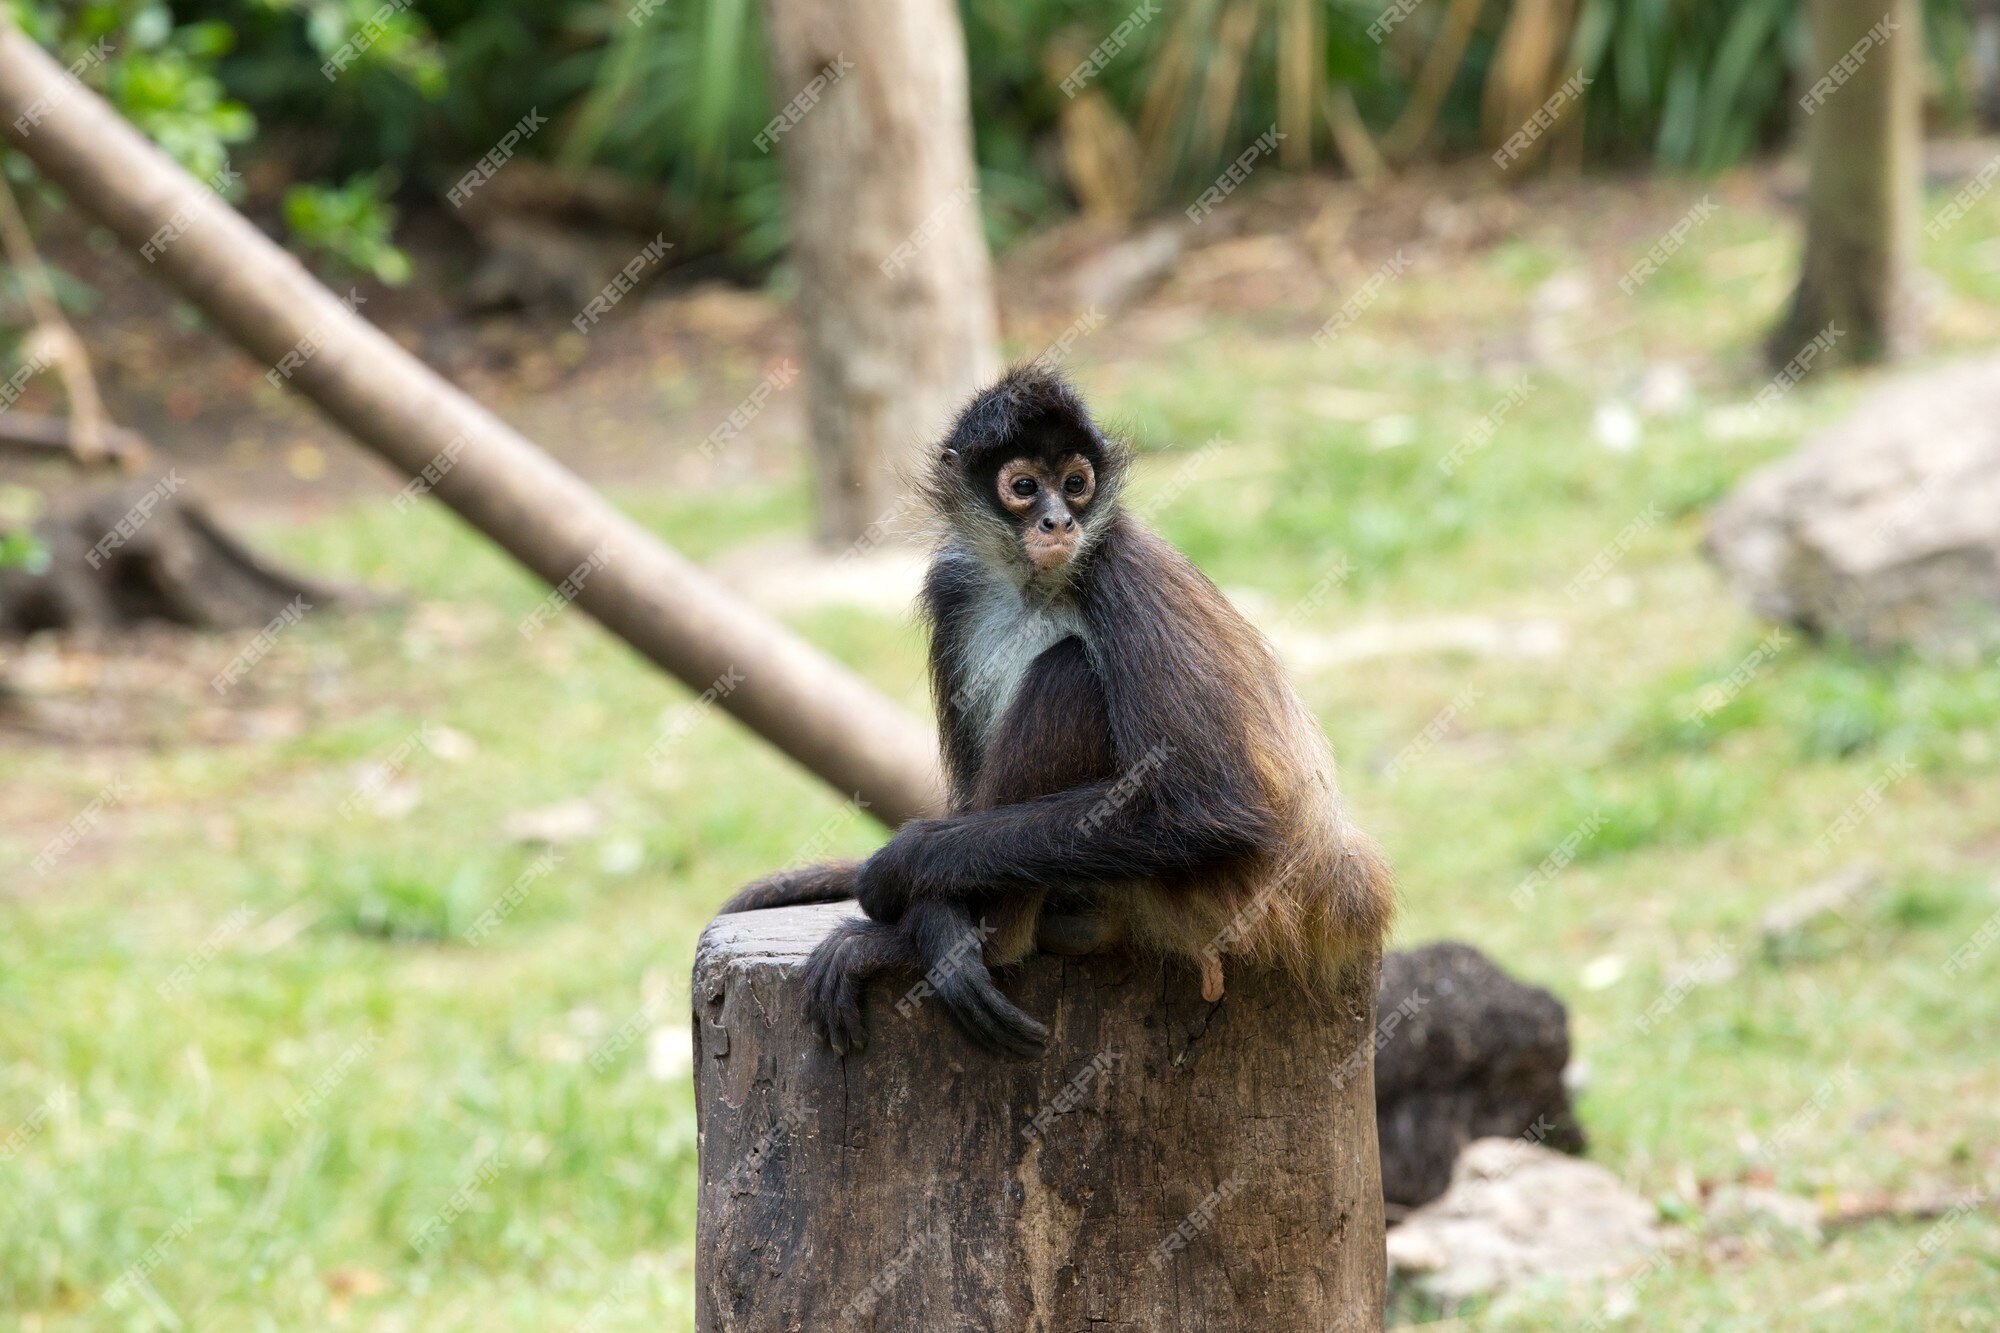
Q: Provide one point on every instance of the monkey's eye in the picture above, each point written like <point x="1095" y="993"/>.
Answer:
<point x="1074" y="483"/>
<point x="1024" y="486"/>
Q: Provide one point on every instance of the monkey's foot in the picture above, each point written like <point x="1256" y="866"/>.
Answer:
<point x="833" y="977"/>
<point x="1211" y="976"/>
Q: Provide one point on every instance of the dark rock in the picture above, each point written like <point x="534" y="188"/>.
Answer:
<point x="1465" y="1052"/>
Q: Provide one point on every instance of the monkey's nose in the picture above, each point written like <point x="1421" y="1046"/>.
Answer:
<point x="1049" y="523"/>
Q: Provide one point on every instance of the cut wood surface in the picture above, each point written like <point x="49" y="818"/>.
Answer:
<point x="1168" y="1165"/>
<point x="548" y="518"/>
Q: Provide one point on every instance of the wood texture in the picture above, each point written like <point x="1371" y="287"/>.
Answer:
<point x="548" y="518"/>
<point x="1170" y="1165"/>
<point x="895" y="285"/>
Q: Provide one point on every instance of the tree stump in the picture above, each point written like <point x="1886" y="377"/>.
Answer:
<point x="1169" y="1164"/>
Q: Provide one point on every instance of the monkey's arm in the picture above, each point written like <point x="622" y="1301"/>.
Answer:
<point x="1088" y="837"/>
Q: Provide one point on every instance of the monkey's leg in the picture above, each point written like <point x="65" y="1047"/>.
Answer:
<point x="940" y="941"/>
<point x="836" y="971"/>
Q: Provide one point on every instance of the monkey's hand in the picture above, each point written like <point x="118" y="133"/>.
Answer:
<point x="885" y="883"/>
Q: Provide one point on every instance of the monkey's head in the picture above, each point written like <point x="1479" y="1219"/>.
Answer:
<point x="1026" y="479"/>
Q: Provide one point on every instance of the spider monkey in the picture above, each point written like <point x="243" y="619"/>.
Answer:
<point x="1127" y="765"/>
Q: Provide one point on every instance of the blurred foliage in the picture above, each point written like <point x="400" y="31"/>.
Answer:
<point x="1113" y="105"/>
<point x="351" y="223"/>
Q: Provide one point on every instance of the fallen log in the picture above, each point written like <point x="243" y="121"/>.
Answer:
<point x="790" y="693"/>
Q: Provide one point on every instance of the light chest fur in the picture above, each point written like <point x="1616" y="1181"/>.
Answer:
<point x="1005" y="632"/>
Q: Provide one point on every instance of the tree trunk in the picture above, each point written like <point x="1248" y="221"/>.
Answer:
<point x="1169" y="1164"/>
<point x="895" y="288"/>
<point x="543" y="514"/>
<point x="122" y="554"/>
<point x="1864" y="150"/>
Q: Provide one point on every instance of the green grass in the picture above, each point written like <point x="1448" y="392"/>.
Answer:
<point x="310" y="1092"/>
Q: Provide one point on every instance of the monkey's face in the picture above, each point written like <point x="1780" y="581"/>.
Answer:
<point x="1046" y="499"/>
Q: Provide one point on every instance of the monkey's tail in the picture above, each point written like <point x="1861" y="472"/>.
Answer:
<point x="952" y="952"/>
<point x="828" y="883"/>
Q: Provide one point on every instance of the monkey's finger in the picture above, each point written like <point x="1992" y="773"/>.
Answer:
<point x="990" y="1018"/>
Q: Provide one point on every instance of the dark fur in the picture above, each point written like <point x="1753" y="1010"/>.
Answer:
<point x="1152" y="769"/>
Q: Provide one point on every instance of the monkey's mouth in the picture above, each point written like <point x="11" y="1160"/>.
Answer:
<point x="1049" y="550"/>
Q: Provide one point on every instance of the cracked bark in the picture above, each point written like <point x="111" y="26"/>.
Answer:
<point x="922" y="1137"/>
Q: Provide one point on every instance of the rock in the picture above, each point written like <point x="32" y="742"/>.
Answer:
<point x="1517" y="1213"/>
<point x="1884" y="530"/>
<point x="1465" y="1052"/>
